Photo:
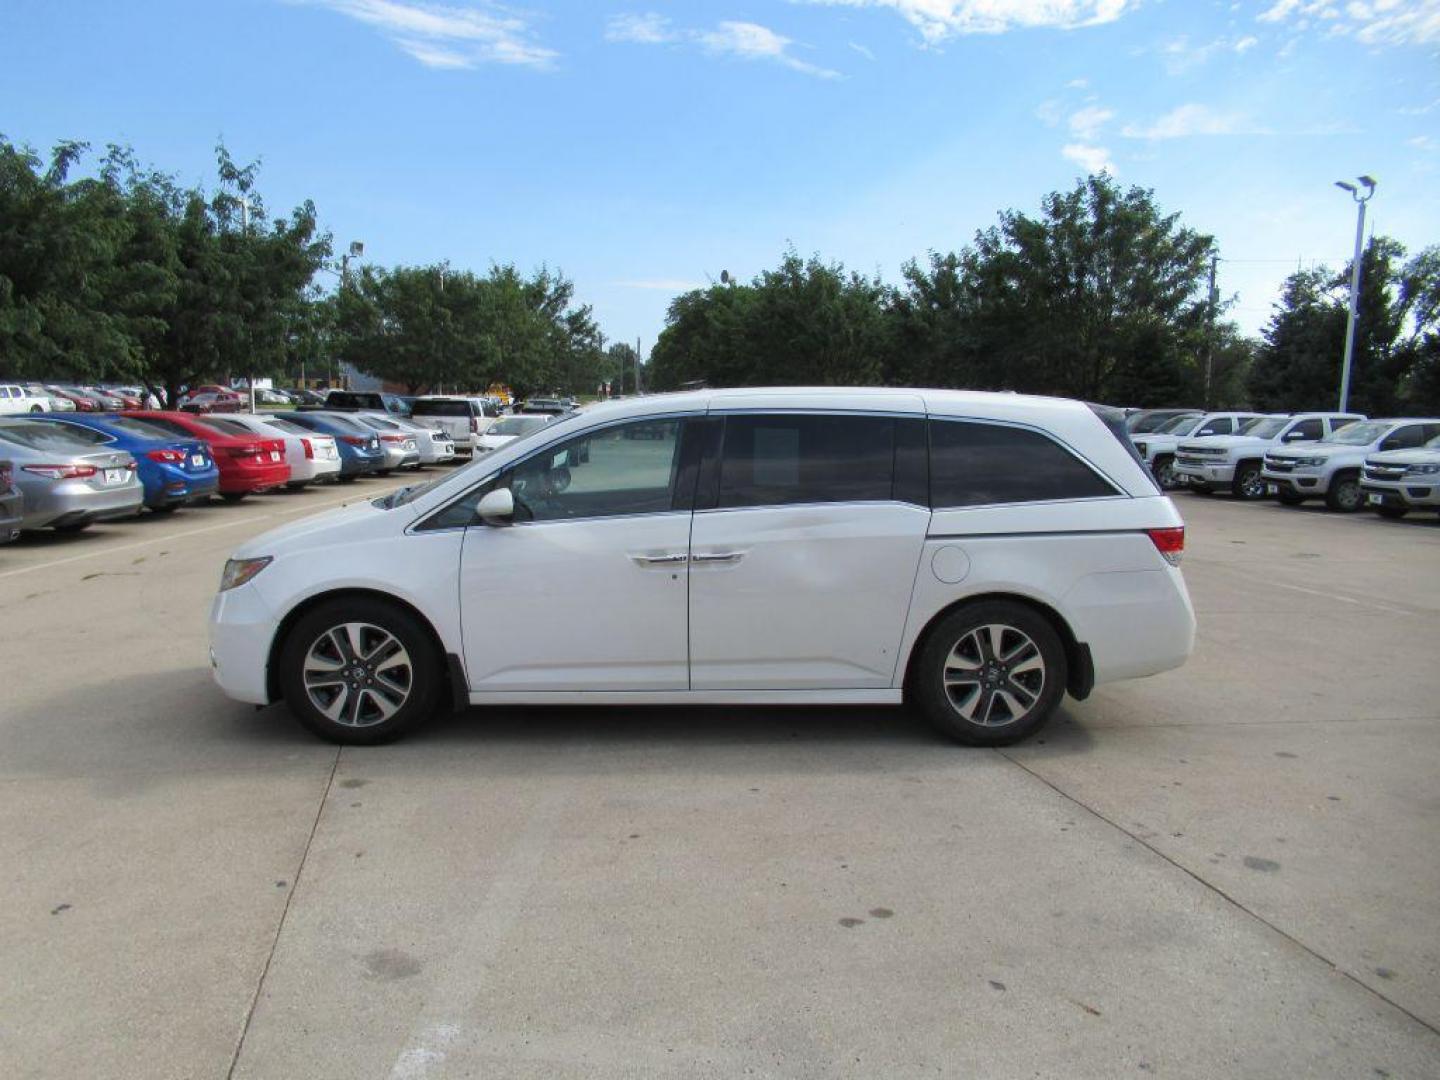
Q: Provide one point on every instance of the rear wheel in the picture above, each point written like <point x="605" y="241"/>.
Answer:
<point x="360" y="671"/>
<point x="991" y="673"/>
<point x="165" y="508"/>
<point x="74" y="527"/>
<point x="1248" y="483"/>
<point x="1165" y="473"/>
<point x="1394" y="513"/>
<point x="233" y="496"/>
<point x="1344" y="494"/>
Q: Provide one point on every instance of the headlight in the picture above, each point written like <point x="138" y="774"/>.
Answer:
<point x="1422" y="470"/>
<point x="1309" y="462"/>
<point x="239" y="571"/>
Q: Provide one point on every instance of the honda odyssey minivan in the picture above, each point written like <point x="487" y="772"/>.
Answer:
<point x="976" y="554"/>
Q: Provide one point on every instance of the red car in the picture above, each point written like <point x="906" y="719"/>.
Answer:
<point x="247" y="464"/>
<point x="81" y="403"/>
<point x="204" y="401"/>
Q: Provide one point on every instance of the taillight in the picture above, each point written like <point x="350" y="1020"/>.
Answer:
<point x="1170" y="543"/>
<point x="392" y="438"/>
<point x="309" y="450"/>
<point x="250" y="450"/>
<point x="169" y="457"/>
<point x="353" y="440"/>
<point x="61" y="472"/>
<point x="474" y="425"/>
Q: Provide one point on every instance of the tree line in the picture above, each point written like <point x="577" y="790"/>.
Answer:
<point x="124" y="274"/>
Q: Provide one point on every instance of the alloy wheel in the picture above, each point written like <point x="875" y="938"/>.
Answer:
<point x="358" y="674"/>
<point x="1252" y="484"/>
<point x="1165" y="475"/>
<point x="994" y="675"/>
<point x="1347" y="494"/>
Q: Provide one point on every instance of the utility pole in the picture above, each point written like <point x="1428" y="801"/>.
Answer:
<point x="1210" y="331"/>
<point x="1360" y="200"/>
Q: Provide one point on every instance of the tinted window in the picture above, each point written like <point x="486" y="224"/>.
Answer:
<point x="59" y="438"/>
<point x="139" y="428"/>
<point x="628" y="469"/>
<point x="228" y="427"/>
<point x="781" y="460"/>
<point x="1221" y="425"/>
<point x="170" y="426"/>
<point x="287" y="425"/>
<point x="1306" y="429"/>
<point x="974" y="464"/>
<point x="1405" y="438"/>
<point x="442" y="408"/>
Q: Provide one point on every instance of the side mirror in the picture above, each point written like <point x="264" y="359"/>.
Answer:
<point x="497" y="507"/>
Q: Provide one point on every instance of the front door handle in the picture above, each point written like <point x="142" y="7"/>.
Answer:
<point x="660" y="560"/>
<point x="718" y="557"/>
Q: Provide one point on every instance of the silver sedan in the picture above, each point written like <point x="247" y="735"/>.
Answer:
<point x="68" y="478"/>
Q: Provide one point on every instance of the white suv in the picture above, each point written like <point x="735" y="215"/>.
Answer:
<point x="1235" y="461"/>
<point x="1157" y="448"/>
<point x="1330" y="468"/>
<point x="1398" y="481"/>
<point x="978" y="554"/>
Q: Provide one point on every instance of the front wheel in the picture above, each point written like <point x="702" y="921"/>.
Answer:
<point x="1165" y="473"/>
<point x="359" y="671"/>
<point x="1344" y="494"/>
<point x="991" y="673"/>
<point x="1248" y="483"/>
<point x="1394" y="513"/>
<point x="1289" y="498"/>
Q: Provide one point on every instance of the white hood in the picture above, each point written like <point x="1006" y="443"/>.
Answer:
<point x="351" y="518"/>
<point x="1417" y="456"/>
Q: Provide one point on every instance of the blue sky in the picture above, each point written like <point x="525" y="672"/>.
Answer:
<point x="643" y="147"/>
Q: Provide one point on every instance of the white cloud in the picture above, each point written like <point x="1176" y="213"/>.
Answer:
<point x="745" y="40"/>
<point x="1188" y="120"/>
<point x="1077" y="84"/>
<point x="1372" y="22"/>
<point x="938" y="20"/>
<point x="1420" y="110"/>
<point x="1245" y="44"/>
<point x="1424" y="142"/>
<point x="1093" y="159"/>
<point x="446" y="36"/>
<point x="862" y="50"/>
<point x="1086" y="123"/>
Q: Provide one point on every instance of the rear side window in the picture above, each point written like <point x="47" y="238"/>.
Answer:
<point x="975" y="464"/>
<point x="787" y="459"/>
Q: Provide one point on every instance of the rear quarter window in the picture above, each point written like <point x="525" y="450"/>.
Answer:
<point x="981" y="464"/>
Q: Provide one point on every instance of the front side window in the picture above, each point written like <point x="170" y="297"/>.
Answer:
<point x="622" y="470"/>
<point x="978" y="464"/>
<point x="1306" y="430"/>
<point x="794" y="459"/>
<point x="1221" y="425"/>
<point x="1406" y="438"/>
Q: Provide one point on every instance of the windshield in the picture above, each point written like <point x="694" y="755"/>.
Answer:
<point x="1358" y="434"/>
<point x="518" y="425"/>
<point x="1265" y="429"/>
<point x="432" y="407"/>
<point x="138" y="428"/>
<point x="1181" y="425"/>
<point x="288" y="426"/>
<point x="59" y="438"/>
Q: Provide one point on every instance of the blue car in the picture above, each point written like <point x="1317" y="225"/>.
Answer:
<point x="172" y="470"/>
<point x="359" y="446"/>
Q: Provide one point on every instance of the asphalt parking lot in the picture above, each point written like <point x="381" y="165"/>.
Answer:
<point x="1229" y="870"/>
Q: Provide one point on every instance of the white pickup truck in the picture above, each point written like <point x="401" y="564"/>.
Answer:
<point x="1235" y="461"/>
<point x="1398" y="481"/>
<point x="1330" y="469"/>
<point x="16" y="399"/>
<point x="1157" y="448"/>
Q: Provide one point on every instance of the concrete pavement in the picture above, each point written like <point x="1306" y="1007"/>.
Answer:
<point x="1228" y="870"/>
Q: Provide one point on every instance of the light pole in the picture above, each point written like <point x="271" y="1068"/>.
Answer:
<point x="1368" y="183"/>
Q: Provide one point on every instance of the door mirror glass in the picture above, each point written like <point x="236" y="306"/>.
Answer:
<point x="497" y="507"/>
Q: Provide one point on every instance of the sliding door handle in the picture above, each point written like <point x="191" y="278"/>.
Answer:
<point x="661" y="560"/>
<point x="718" y="557"/>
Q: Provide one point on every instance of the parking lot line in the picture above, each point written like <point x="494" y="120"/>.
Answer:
<point x="172" y="537"/>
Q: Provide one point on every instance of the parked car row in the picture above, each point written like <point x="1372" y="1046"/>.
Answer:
<point x="67" y="471"/>
<point x="1347" y="460"/>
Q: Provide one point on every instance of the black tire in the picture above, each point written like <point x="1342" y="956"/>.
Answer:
<point x="1164" y="472"/>
<point x="1247" y="483"/>
<point x="382" y="472"/>
<point x="1394" y="513"/>
<point x="296" y="485"/>
<point x="233" y="496"/>
<point x="1199" y="489"/>
<point x="1344" y="495"/>
<point x="360" y="694"/>
<point x="167" y="508"/>
<point x="1289" y="498"/>
<point x="73" y="527"/>
<point x="346" y="479"/>
<point x="964" y="636"/>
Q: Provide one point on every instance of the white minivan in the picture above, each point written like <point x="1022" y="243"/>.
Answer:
<point x="977" y="554"/>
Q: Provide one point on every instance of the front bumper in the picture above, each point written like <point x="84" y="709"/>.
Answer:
<point x="1204" y="473"/>
<point x="1298" y="484"/>
<point x="241" y="630"/>
<point x="1400" y="493"/>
